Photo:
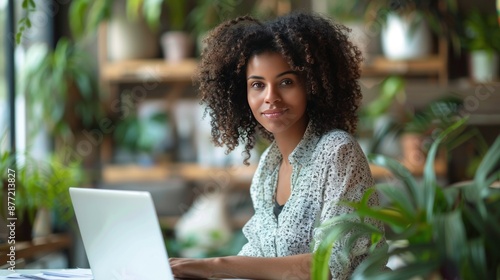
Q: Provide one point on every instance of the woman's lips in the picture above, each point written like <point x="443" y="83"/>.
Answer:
<point x="274" y="113"/>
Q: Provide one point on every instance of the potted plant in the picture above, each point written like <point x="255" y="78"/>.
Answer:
<point x="418" y="129"/>
<point x="61" y="85"/>
<point x="482" y="39"/>
<point x="177" y="44"/>
<point x="446" y="232"/>
<point x="141" y="137"/>
<point x="406" y="25"/>
<point x="37" y="187"/>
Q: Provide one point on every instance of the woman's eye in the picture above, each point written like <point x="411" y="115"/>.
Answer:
<point x="256" y="85"/>
<point x="286" y="82"/>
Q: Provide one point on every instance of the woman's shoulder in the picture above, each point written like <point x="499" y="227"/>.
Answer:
<point x="337" y="137"/>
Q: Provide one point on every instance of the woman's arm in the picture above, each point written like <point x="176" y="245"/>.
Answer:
<point x="289" y="267"/>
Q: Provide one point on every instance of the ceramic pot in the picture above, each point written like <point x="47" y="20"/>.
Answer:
<point x="130" y="39"/>
<point x="176" y="45"/>
<point x="483" y="66"/>
<point x="404" y="39"/>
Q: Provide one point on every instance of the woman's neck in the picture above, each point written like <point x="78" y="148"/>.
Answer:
<point x="288" y="142"/>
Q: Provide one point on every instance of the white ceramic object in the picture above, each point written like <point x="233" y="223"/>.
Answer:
<point x="400" y="42"/>
<point x="483" y="66"/>
<point x="176" y="45"/>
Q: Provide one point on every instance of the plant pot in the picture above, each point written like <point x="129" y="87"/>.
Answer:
<point x="414" y="154"/>
<point x="405" y="39"/>
<point x="483" y="66"/>
<point x="42" y="225"/>
<point x="176" y="45"/>
<point x="130" y="39"/>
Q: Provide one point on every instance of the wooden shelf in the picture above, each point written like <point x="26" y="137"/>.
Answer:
<point x="158" y="70"/>
<point x="432" y="66"/>
<point x="234" y="177"/>
<point x="383" y="66"/>
<point x="148" y="70"/>
<point x="238" y="177"/>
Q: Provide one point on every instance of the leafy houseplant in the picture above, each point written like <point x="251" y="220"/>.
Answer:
<point x="482" y="39"/>
<point x="139" y="135"/>
<point x="448" y="232"/>
<point x="61" y="84"/>
<point x="373" y="115"/>
<point x="411" y="16"/>
<point x="39" y="185"/>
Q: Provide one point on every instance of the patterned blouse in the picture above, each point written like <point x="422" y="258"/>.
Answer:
<point x="326" y="169"/>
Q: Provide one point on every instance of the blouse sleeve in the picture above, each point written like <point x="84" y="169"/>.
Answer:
<point x="347" y="177"/>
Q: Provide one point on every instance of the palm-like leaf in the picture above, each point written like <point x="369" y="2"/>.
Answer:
<point x="452" y="231"/>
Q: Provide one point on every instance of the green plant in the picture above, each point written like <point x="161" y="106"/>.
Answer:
<point x="390" y="91"/>
<point x="205" y="15"/>
<point x="442" y="16"/>
<point x="61" y="84"/>
<point x="482" y="32"/>
<point x="85" y="16"/>
<point x="348" y="10"/>
<point x="451" y="232"/>
<point x="439" y="113"/>
<point x="137" y="134"/>
<point x="40" y="184"/>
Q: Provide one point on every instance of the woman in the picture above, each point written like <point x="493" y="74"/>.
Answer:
<point x="294" y="81"/>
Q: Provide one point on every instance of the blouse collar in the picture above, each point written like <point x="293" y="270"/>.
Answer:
<point x="303" y="151"/>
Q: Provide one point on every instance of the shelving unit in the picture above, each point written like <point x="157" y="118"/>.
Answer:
<point x="434" y="66"/>
<point x="179" y="76"/>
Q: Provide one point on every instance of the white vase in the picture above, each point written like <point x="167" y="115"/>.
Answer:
<point x="176" y="45"/>
<point x="400" y="40"/>
<point x="483" y="66"/>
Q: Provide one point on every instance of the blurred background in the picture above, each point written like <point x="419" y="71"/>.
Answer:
<point x="100" y="94"/>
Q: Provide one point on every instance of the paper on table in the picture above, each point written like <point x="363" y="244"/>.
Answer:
<point x="74" y="274"/>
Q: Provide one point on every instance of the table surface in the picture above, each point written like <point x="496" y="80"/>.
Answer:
<point x="5" y="272"/>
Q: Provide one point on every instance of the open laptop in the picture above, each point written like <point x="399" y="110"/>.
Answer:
<point x="121" y="234"/>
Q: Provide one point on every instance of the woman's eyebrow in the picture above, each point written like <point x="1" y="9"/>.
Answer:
<point x="277" y="76"/>
<point x="287" y="72"/>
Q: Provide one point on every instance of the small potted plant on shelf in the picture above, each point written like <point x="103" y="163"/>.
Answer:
<point x="407" y="24"/>
<point x="433" y="230"/>
<point x="419" y="128"/>
<point x="140" y="138"/>
<point x="482" y="39"/>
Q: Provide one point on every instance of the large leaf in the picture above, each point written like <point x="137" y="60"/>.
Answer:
<point x="403" y="174"/>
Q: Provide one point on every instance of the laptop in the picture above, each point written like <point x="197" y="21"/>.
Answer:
<point x="121" y="234"/>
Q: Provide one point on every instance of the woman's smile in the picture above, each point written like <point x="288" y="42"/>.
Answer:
<point x="276" y="95"/>
<point x="274" y="113"/>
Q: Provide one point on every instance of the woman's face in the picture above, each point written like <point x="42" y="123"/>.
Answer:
<point x="276" y="95"/>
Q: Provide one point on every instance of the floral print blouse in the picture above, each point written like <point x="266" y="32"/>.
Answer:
<point x="327" y="169"/>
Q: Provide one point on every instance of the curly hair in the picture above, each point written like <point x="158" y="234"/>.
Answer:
<point x="316" y="47"/>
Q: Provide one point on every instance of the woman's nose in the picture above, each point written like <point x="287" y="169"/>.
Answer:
<point x="272" y="95"/>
